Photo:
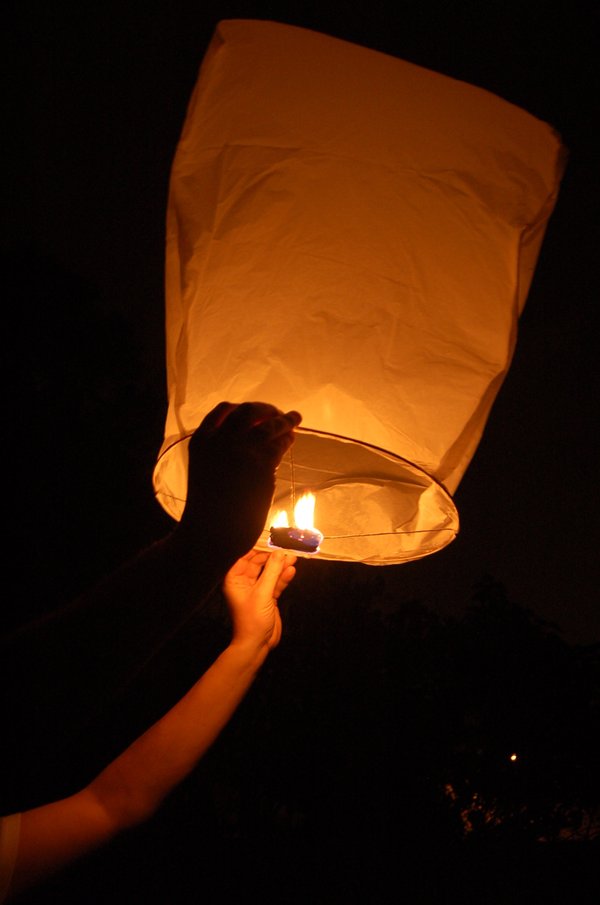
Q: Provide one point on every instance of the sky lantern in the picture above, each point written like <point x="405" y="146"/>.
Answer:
<point x="354" y="237"/>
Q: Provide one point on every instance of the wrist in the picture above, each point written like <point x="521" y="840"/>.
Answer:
<point x="249" y="651"/>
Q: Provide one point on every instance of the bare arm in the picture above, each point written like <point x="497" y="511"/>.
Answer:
<point x="74" y="663"/>
<point x="133" y="786"/>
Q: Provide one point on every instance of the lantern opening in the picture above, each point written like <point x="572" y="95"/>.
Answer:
<point x="373" y="506"/>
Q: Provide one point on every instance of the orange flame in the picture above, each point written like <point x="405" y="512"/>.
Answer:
<point x="304" y="514"/>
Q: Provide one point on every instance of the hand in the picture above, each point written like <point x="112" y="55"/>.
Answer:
<point x="252" y="588"/>
<point x="233" y="457"/>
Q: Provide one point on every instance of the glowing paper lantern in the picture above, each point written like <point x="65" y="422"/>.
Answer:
<point x="354" y="237"/>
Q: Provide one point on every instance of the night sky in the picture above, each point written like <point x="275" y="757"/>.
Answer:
<point x="97" y="97"/>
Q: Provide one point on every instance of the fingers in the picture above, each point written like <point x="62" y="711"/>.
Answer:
<point x="258" y="419"/>
<point x="278" y="572"/>
<point x="256" y="556"/>
<point x="247" y="415"/>
<point x="273" y="437"/>
<point x="278" y="423"/>
<point x="262" y="424"/>
<point x="273" y="568"/>
<point x="248" y="566"/>
<point x="276" y="427"/>
<point x="216" y="417"/>
<point x="267" y="431"/>
<point x="284" y="580"/>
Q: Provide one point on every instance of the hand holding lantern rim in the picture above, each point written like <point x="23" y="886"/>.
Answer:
<point x="233" y="457"/>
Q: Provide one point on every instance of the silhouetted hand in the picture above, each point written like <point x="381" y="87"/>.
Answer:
<point x="233" y="456"/>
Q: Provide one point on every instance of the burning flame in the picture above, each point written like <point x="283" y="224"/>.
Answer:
<point x="280" y="520"/>
<point x="304" y="514"/>
<point x="304" y="511"/>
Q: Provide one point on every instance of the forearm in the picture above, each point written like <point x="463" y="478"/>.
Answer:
<point x="126" y="618"/>
<point x="76" y="662"/>
<point x="132" y="787"/>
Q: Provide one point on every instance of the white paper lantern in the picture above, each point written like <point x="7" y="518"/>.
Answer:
<point x="354" y="237"/>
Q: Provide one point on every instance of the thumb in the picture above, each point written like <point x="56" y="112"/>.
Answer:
<point x="273" y="568"/>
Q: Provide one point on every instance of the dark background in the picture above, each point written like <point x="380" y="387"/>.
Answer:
<point x="97" y="95"/>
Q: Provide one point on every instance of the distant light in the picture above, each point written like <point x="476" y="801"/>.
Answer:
<point x="513" y="757"/>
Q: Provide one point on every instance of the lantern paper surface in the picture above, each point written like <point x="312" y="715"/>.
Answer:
<point x="354" y="237"/>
